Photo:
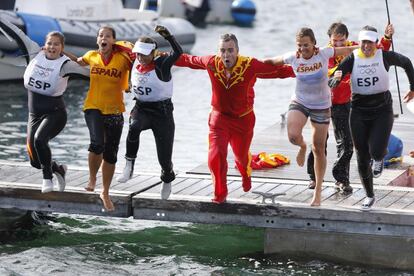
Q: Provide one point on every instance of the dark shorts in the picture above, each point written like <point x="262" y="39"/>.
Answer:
<point x="105" y="133"/>
<point x="318" y="116"/>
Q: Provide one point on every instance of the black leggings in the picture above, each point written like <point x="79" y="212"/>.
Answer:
<point x="105" y="133"/>
<point x="157" y="116"/>
<point x="40" y="130"/>
<point x="370" y="133"/>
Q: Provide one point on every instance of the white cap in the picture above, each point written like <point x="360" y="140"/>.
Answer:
<point x="368" y="35"/>
<point x="143" y="48"/>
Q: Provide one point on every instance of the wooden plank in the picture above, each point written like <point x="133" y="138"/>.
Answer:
<point x="389" y="199"/>
<point x="131" y="185"/>
<point x="182" y="185"/>
<point x="192" y="189"/>
<point x="70" y="201"/>
<point x="357" y="196"/>
<point x="403" y="202"/>
<point x="202" y="207"/>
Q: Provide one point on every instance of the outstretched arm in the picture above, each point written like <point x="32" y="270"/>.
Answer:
<point x="72" y="69"/>
<point x="193" y="62"/>
<point x="269" y="71"/>
<point x="76" y="59"/>
<point x="275" y="61"/>
<point x="393" y="58"/>
<point x="344" y="51"/>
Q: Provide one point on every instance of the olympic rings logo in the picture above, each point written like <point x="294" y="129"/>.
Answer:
<point x="41" y="73"/>
<point x="367" y="71"/>
<point x="142" y="80"/>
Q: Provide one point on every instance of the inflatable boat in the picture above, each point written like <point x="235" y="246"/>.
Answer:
<point x="79" y="21"/>
<point x="200" y="12"/>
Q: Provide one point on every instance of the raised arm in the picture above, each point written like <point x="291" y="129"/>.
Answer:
<point x="26" y="45"/>
<point x="176" y="47"/>
<point x="385" y="41"/>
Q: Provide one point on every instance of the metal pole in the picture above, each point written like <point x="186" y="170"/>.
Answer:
<point x="395" y="68"/>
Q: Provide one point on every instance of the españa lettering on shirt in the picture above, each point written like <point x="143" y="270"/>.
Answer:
<point x="111" y="72"/>
<point x="108" y="79"/>
<point x="304" y="68"/>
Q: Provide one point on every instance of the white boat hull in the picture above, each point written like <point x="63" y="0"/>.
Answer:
<point x="80" y="37"/>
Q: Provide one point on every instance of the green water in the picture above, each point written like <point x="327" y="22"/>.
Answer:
<point x="80" y="245"/>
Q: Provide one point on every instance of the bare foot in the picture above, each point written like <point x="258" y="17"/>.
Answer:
<point x="316" y="200"/>
<point x="300" y="158"/>
<point x="107" y="203"/>
<point x="91" y="185"/>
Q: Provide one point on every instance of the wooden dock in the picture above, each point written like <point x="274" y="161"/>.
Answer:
<point x="337" y="230"/>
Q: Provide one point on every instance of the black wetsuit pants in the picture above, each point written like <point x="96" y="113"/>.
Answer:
<point x="41" y="128"/>
<point x="157" y="116"/>
<point x="370" y="132"/>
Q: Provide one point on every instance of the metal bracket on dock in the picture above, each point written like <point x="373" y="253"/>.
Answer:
<point x="268" y="196"/>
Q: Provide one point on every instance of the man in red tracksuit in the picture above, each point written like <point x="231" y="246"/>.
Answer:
<point x="232" y="118"/>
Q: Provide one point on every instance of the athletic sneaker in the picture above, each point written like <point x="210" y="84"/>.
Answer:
<point x="47" y="186"/>
<point x="60" y="175"/>
<point x="343" y="188"/>
<point x="127" y="172"/>
<point x="165" y="190"/>
<point x="368" y="202"/>
<point x="312" y="184"/>
<point x="377" y="168"/>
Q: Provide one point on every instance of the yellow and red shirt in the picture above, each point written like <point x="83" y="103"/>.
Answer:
<point x="108" y="80"/>
<point x="234" y="95"/>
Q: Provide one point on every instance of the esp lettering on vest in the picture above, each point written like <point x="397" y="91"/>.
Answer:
<point x="142" y="90"/>
<point x="38" y="84"/>
<point x="368" y="81"/>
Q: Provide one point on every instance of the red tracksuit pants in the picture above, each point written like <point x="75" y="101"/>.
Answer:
<point x="239" y="133"/>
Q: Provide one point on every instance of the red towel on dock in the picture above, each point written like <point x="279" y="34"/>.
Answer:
<point x="264" y="160"/>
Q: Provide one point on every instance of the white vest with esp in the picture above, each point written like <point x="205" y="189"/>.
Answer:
<point x="147" y="87"/>
<point x="42" y="75"/>
<point x="369" y="75"/>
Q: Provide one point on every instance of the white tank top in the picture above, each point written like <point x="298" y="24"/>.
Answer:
<point x="147" y="87"/>
<point x="42" y="75"/>
<point x="369" y="75"/>
<point x="312" y="88"/>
